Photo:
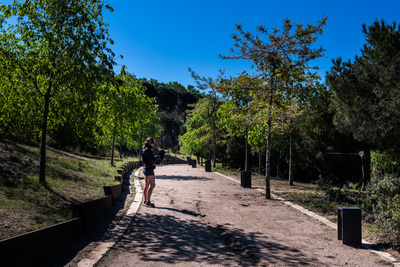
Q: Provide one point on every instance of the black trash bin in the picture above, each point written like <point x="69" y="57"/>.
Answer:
<point x="194" y="163"/>
<point x="189" y="160"/>
<point x="245" y="179"/>
<point x="208" y="165"/>
<point x="349" y="225"/>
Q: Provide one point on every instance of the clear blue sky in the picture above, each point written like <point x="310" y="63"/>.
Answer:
<point x="161" y="39"/>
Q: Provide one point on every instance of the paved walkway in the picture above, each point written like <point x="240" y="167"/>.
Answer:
<point x="205" y="219"/>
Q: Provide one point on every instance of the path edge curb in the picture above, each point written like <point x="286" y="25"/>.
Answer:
<point x="103" y="247"/>
<point x="365" y="244"/>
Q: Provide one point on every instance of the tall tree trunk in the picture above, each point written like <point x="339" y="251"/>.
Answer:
<point x="290" y="158"/>
<point x="268" y="163"/>
<point x="246" y="157"/>
<point x="268" y="151"/>
<point x="259" y="161"/>
<point x="213" y="132"/>
<point x="42" y="164"/>
<point x="112" y="149"/>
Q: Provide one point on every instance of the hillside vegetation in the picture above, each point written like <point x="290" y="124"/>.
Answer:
<point x="26" y="204"/>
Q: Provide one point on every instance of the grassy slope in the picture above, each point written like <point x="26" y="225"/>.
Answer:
<point x="26" y="205"/>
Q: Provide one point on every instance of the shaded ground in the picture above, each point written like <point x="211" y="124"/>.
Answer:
<point x="204" y="219"/>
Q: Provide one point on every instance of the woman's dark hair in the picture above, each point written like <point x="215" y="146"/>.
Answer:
<point x="149" y="140"/>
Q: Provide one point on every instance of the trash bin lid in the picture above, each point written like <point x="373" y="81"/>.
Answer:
<point x="348" y="208"/>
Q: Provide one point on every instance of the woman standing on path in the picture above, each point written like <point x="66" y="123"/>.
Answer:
<point x="148" y="170"/>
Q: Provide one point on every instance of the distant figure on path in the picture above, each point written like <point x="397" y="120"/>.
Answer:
<point x="148" y="171"/>
<point x="162" y="154"/>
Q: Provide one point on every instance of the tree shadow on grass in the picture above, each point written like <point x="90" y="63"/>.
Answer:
<point x="170" y="240"/>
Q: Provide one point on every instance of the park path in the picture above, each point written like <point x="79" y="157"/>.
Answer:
<point x="204" y="219"/>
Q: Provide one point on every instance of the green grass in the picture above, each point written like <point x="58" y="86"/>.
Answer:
<point x="27" y="205"/>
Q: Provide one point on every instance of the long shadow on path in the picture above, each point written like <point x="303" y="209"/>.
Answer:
<point x="181" y="178"/>
<point x="171" y="240"/>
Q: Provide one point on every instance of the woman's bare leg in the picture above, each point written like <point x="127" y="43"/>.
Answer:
<point x="146" y="188"/>
<point x="152" y="184"/>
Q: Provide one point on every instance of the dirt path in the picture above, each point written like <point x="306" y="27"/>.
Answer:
<point x="204" y="219"/>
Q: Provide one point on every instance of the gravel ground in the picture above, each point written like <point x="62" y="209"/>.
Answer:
<point x="204" y="219"/>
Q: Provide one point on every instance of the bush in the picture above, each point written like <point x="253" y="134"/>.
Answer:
<point x="175" y="149"/>
<point x="384" y="191"/>
<point x="384" y="163"/>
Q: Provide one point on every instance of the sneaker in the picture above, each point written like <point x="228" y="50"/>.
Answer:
<point x="149" y="204"/>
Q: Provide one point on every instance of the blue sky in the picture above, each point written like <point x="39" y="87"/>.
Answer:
<point x="161" y="39"/>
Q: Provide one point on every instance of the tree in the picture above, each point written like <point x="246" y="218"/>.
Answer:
<point x="185" y="98"/>
<point x="198" y="138"/>
<point x="235" y="113"/>
<point x="19" y="108"/>
<point x="173" y="100"/>
<point x="298" y="107"/>
<point x="366" y="92"/>
<point x="123" y="108"/>
<point x="207" y="83"/>
<point x="56" y="48"/>
<point x="200" y="135"/>
<point x="171" y="129"/>
<point x="275" y="55"/>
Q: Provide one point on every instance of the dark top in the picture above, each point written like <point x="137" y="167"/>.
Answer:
<point x="148" y="157"/>
<point x="162" y="153"/>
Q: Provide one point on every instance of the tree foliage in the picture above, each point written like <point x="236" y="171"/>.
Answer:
<point x="236" y="113"/>
<point x="122" y="109"/>
<point x="56" y="48"/>
<point x="276" y="55"/>
<point x="171" y="130"/>
<point x="173" y="101"/>
<point x="199" y="136"/>
<point x="366" y="92"/>
<point x="209" y="85"/>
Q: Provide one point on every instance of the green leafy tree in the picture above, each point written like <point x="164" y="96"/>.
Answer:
<point x="275" y="56"/>
<point x="19" y="108"/>
<point x="199" y="137"/>
<point x="55" y="47"/>
<point x="297" y="108"/>
<point x="123" y="108"/>
<point x="235" y="114"/>
<point x="209" y="84"/>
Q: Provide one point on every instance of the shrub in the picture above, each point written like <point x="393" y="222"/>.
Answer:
<point x="384" y="191"/>
<point x="384" y="163"/>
